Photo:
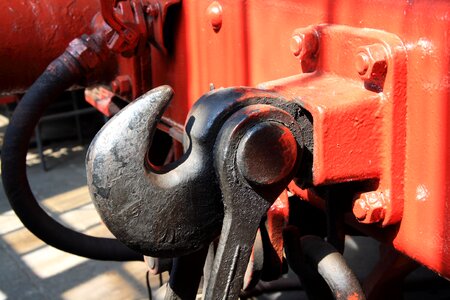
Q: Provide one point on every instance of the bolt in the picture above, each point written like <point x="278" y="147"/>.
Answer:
<point x="370" y="207"/>
<point x="267" y="153"/>
<point x="85" y="50"/>
<point x="362" y="63"/>
<point x="360" y="209"/>
<point x="152" y="10"/>
<point x="121" y="85"/>
<point x="214" y="13"/>
<point x="304" y="44"/>
<point x="296" y="44"/>
<point x="371" y="61"/>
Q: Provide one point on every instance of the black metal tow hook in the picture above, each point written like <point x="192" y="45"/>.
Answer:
<point x="166" y="213"/>
<point x="243" y="146"/>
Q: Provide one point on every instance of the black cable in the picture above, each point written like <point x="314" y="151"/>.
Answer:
<point x="61" y="74"/>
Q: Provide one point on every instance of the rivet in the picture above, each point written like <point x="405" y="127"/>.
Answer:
<point x="214" y="13"/>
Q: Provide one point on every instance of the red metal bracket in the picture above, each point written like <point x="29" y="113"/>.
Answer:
<point x="353" y="85"/>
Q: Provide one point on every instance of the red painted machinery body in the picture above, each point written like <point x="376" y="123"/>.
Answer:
<point x="391" y="132"/>
<point x="409" y="151"/>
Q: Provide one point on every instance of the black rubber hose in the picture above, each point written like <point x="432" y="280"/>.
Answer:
<point x="61" y="74"/>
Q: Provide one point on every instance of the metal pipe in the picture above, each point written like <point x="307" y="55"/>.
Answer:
<point x="332" y="267"/>
<point x="320" y="267"/>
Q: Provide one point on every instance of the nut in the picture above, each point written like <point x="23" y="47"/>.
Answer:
<point x="370" y="207"/>
<point x="304" y="43"/>
<point x="121" y="85"/>
<point x="371" y="61"/>
<point x="85" y="55"/>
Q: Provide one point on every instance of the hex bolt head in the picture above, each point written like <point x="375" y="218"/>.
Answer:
<point x="267" y="153"/>
<point x="85" y="50"/>
<point x="370" y="207"/>
<point x="371" y="61"/>
<point x="304" y="45"/>
<point x="296" y="44"/>
<point x="360" y="209"/>
<point x="121" y="85"/>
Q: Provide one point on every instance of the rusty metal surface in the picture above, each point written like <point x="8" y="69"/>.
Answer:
<point x="33" y="33"/>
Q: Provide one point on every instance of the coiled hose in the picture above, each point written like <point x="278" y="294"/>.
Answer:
<point x="61" y="74"/>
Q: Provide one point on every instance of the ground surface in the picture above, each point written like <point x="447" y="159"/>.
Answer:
<point x="32" y="270"/>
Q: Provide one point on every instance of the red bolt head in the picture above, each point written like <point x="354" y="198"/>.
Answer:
<point x="214" y="13"/>
<point x="362" y="63"/>
<point x="121" y="85"/>
<point x="371" y="61"/>
<point x="304" y="45"/>
<point x="82" y="49"/>
<point x="360" y="209"/>
<point x="375" y="215"/>
<point x="296" y="44"/>
<point x="370" y="207"/>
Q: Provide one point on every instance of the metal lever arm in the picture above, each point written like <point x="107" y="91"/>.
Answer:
<point x="256" y="155"/>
